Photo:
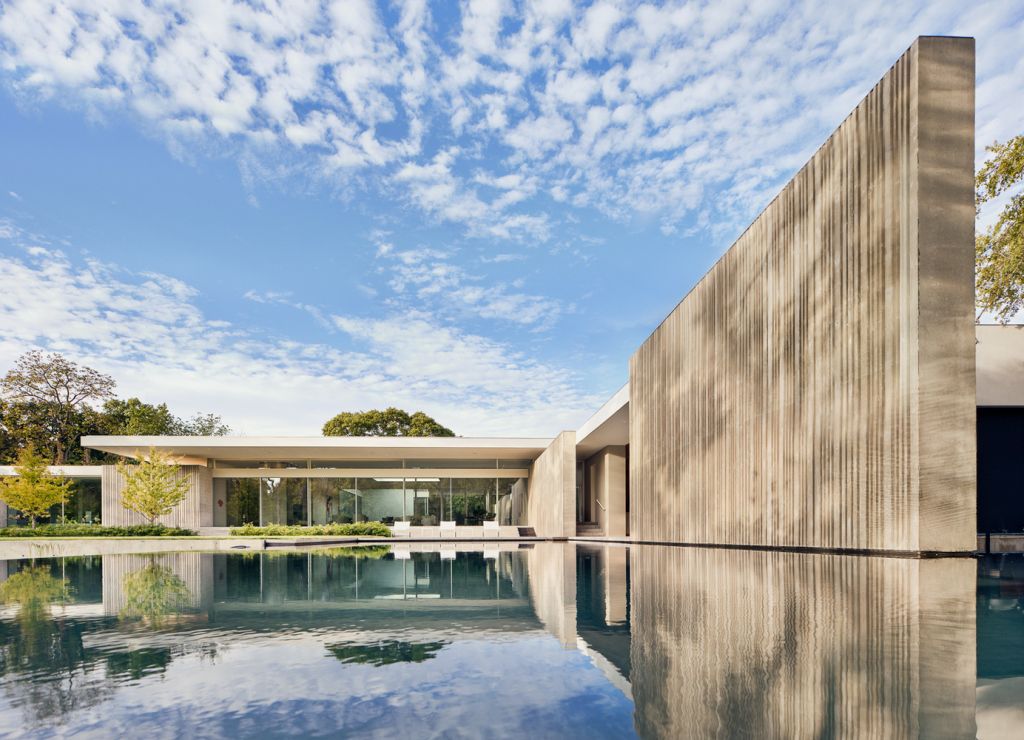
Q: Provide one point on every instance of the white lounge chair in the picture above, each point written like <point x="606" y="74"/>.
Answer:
<point x="492" y="529"/>
<point x="448" y="529"/>
<point x="401" y="529"/>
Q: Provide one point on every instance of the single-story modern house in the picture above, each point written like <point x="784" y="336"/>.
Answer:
<point x="824" y="386"/>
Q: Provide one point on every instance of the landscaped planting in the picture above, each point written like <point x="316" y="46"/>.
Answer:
<point x="95" y="530"/>
<point x="357" y="529"/>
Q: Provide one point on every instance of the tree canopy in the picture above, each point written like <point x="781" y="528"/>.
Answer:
<point x="58" y="388"/>
<point x="391" y="422"/>
<point x="999" y="276"/>
<point x="33" y="490"/>
<point x="53" y="420"/>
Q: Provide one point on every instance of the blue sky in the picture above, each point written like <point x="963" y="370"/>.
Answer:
<point x="284" y="210"/>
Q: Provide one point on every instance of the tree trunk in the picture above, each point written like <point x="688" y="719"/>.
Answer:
<point x="32" y="520"/>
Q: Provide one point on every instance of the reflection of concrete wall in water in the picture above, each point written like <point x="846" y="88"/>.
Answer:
<point x="196" y="510"/>
<point x="816" y="387"/>
<point x="789" y="645"/>
<point x="551" y="504"/>
<point x="193" y="568"/>
<point x="552" y="577"/>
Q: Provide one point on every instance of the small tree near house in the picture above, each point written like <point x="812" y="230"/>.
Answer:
<point x="153" y="487"/>
<point x="33" y="490"/>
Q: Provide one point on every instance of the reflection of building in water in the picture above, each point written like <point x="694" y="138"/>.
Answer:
<point x="552" y="576"/>
<point x="791" y="645"/>
<point x="192" y="568"/>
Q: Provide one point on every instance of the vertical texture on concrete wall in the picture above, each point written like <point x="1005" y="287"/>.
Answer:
<point x="551" y="504"/>
<point x="125" y="582"/>
<point x="815" y="388"/>
<point x="732" y="643"/>
<point x="552" y="580"/>
<point x="195" y="511"/>
<point x="606" y="485"/>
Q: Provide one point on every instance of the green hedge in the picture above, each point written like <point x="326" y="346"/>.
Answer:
<point x="95" y="530"/>
<point x="358" y="529"/>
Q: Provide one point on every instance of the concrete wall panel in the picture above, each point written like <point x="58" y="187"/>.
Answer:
<point x="551" y="504"/>
<point x="816" y="387"/>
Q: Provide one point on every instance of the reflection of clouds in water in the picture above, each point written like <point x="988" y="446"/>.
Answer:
<point x="509" y="687"/>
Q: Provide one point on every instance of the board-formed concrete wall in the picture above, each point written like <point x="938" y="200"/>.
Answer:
<point x="195" y="511"/>
<point x="551" y="497"/>
<point x="816" y="387"/>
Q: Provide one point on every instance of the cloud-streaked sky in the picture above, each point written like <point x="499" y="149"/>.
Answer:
<point x="277" y="211"/>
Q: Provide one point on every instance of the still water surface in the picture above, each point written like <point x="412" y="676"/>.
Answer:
<point x="554" y="640"/>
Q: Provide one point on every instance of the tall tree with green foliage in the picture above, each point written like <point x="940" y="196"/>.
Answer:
<point x="34" y="490"/>
<point x="390" y="422"/>
<point x="132" y="416"/>
<point x="60" y="390"/>
<point x="999" y="251"/>
<point x="153" y="487"/>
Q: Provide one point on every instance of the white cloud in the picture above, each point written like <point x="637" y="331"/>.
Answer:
<point x="431" y="277"/>
<point x="601" y="106"/>
<point x="147" y="331"/>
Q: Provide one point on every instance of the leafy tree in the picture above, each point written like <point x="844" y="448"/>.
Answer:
<point x="153" y="487"/>
<point x="390" y="422"/>
<point x="999" y="251"/>
<point x="200" y="425"/>
<point x="134" y="417"/>
<point x="61" y="389"/>
<point x="33" y="490"/>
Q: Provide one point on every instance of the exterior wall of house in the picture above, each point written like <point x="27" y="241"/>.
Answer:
<point x="606" y="476"/>
<point x="551" y="501"/>
<point x="195" y="511"/>
<point x="816" y="387"/>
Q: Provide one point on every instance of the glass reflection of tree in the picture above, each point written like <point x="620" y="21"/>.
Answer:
<point x="386" y="652"/>
<point x="153" y="594"/>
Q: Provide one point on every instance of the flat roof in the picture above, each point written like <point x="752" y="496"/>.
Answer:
<point x="608" y="426"/>
<point x="325" y="448"/>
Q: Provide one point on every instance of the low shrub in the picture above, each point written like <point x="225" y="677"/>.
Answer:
<point x="95" y="530"/>
<point x="358" y="529"/>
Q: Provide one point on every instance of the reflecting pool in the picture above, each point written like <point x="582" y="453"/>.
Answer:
<point x="548" y="640"/>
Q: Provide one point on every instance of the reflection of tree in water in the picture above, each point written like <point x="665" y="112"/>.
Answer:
<point x="386" y="652"/>
<point x="153" y="594"/>
<point x="43" y="660"/>
<point x="33" y="590"/>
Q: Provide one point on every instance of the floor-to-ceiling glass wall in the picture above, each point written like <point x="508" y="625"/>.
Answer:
<point x="473" y="500"/>
<point x="333" y="500"/>
<point x="242" y="501"/>
<point x="283" y="500"/>
<point x="420" y="499"/>
<point x="384" y="500"/>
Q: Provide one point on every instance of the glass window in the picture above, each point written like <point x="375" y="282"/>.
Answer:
<point x="485" y="464"/>
<point x="334" y="464"/>
<point x="271" y="465"/>
<point x="83" y="504"/>
<point x="383" y="500"/>
<point x="241" y="501"/>
<point x="473" y="500"/>
<point x="428" y="499"/>
<point x="511" y="507"/>
<point x="514" y="464"/>
<point x="333" y="500"/>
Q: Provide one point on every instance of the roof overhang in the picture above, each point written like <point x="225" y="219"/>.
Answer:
<point x="196" y="450"/>
<point x="609" y="426"/>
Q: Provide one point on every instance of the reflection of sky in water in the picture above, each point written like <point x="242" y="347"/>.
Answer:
<point x="529" y="686"/>
<point x="558" y="641"/>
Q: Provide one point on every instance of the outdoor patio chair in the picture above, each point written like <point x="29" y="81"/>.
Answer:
<point x="448" y="529"/>
<point x="492" y="529"/>
<point x="401" y="529"/>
